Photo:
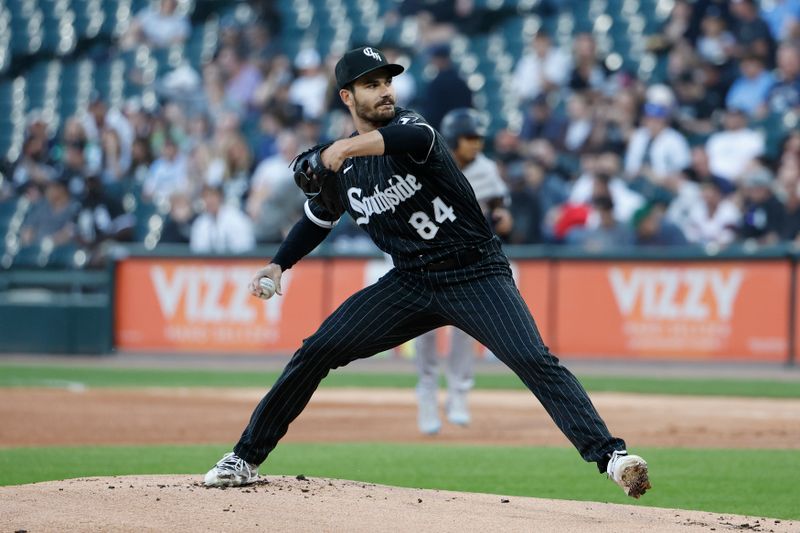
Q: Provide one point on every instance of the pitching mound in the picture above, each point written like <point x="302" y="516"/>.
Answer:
<point x="180" y="503"/>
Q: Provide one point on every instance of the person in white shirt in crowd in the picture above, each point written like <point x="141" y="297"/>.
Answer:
<point x="601" y="176"/>
<point x="731" y="150"/>
<point x="715" y="44"/>
<point x="656" y="151"/>
<point x="167" y="174"/>
<point x="98" y="118"/>
<point x="310" y="89"/>
<point x="541" y="68"/>
<point x="221" y="228"/>
<point x="272" y="173"/>
<point x="580" y="123"/>
<point x="159" y="28"/>
<point x="714" y="218"/>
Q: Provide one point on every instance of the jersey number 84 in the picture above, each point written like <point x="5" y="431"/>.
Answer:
<point x="423" y="223"/>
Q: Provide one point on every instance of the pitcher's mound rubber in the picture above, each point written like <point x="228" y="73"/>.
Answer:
<point x="282" y="503"/>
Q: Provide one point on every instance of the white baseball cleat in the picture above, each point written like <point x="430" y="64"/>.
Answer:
<point x="457" y="409"/>
<point x="231" y="471"/>
<point x="629" y="472"/>
<point x="428" y="414"/>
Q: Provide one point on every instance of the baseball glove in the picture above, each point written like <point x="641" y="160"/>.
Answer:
<point x="309" y="172"/>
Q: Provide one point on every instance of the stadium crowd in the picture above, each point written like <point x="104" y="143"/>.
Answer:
<point x="710" y="155"/>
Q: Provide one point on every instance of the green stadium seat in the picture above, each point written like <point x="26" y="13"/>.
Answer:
<point x="63" y="256"/>
<point x="28" y="257"/>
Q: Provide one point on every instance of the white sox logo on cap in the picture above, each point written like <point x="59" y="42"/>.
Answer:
<point x="369" y="52"/>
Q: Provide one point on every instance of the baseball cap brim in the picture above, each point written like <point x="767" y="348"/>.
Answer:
<point x="392" y="68"/>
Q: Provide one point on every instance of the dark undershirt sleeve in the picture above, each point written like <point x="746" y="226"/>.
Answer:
<point x="416" y="140"/>
<point x="302" y="239"/>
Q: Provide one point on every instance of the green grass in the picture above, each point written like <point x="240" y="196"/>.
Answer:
<point x="762" y="483"/>
<point x="60" y="376"/>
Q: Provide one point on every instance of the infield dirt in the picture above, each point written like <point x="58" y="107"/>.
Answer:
<point x="286" y="504"/>
<point x="52" y="417"/>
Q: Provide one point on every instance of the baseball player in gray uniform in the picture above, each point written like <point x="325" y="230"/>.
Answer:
<point x="464" y="131"/>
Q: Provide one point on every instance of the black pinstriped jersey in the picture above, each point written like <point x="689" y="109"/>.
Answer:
<point x="416" y="211"/>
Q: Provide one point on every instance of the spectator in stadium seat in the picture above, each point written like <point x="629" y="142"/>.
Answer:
<point x="656" y="151"/>
<point x="763" y="214"/>
<point x="545" y="154"/>
<point x="167" y="174"/>
<point x="617" y="117"/>
<point x="587" y="71"/>
<point x="653" y="229"/>
<point x="159" y="27"/>
<point x="602" y="177"/>
<point x="101" y="217"/>
<point x="526" y="180"/>
<point x="177" y="227"/>
<point x="277" y="77"/>
<point x="112" y="170"/>
<point x="231" y="168"/>
<point x="579" y="135"/>
<point x="782" y="17"/>
<point x="52" y="217"/>
<point x="716" y="44"/>
<point x="265" y="143"/>
<point x="272" y="174"/>
<point x="261" y="42"/>
<point x="731" y="150"/>
<point x="99" y="118"/>
<point x="220" y="228"/>
<point x="540" y="122"/>
<point x="785" y="94"/>
<point x="687" y="188"/>
<point x="607" y="233"/>
<point x="74" y="168"/>
<point x="141" y="159"/>
<point x="751" y="90"/>
<point x="752" y="34"/>
<point x="446" y="91"/>
<point x="241" y="79"/>
<point x="33" y="164"/>
<point x="541" y="69"/>
<point x="714" y="219"/>
<point x="276" y="213"/>
<point x="138" y="117"/>
<point x="701" y="93"/>
<point x="309" y="89"/>
<point x="676" y="28"/>
<point x="38" y="125"/>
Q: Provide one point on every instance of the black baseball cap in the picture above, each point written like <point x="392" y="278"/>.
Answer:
<point x="363" y="60"/>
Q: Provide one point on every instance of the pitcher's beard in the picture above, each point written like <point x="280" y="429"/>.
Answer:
<point x="378" y="116"/>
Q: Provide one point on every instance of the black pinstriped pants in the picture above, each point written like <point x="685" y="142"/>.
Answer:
<point x="482" y="300"/>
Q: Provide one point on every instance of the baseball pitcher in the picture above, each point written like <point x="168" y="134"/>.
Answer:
<point x="396" y="178"/>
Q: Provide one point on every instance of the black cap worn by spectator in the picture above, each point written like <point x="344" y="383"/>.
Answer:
<point x="360" y="61"/>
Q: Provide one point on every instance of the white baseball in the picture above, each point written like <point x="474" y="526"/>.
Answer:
<point x="267" y="288"/>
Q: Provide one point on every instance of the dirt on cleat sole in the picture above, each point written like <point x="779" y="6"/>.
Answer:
<point x="635" y="480"/>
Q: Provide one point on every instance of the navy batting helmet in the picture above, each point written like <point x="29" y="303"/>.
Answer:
<point x="462" y="122"/>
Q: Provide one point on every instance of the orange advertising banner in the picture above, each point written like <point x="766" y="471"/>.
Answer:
<point x="688" y="310"/>
<point x="204" y="306"/>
